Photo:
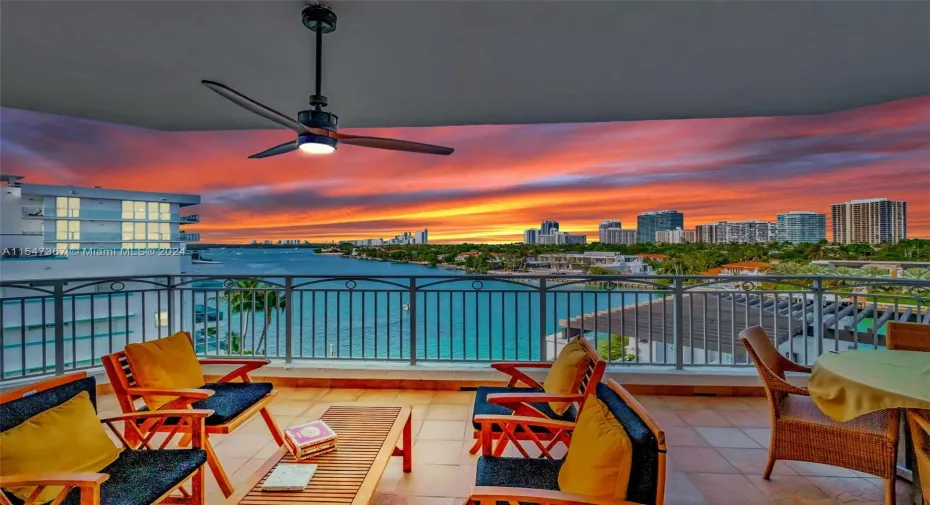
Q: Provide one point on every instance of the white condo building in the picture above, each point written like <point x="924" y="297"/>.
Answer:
<point x="561" y="238"/>
<point x="59" y="233"/>
<point x="530" y="236"/>
<point x="611" y="232"/>
<point x="676" y="236"/>
<point x="745" y="232"/>
<point x="801" y="227"/>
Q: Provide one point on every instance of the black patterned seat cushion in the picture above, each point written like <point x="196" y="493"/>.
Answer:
<point x="229" y="400"/>
<point x="482" y="407"/>
<point x="644" y="473"/>
<point x="14" y="413"/>
<point x="530" y="473"/>
<point x="141" y="477"/>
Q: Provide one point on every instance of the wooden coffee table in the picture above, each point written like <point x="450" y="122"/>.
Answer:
<point x="367" y="439"/>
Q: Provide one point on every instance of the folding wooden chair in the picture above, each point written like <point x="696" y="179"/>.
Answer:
<point x="529" y="479"/>
<point x="233" y="403"/>
<point x="143" y="474"/>
<point x="532" y="400"/>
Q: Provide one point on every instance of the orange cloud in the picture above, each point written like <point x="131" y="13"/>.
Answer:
<point x="502" y="179"/>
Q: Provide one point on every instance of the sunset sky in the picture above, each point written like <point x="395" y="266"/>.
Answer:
<point x="501" y="179"/>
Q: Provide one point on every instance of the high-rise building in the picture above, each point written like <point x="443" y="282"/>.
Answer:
<point x="648" y="223"/>
<point x="625" y="237"/>
<point x="529" y="236"/>
<point x="799" y="227"/>
<point x="609" y="232"/>
<point x="743" y="232"/>
<point x="561" y="238"/>
<point x="421" y="237"/>
<point x="706" y="233"/>
<point x="548" y="227"/>
<point x="676" y="236"/>
<point x="869" y="221"/>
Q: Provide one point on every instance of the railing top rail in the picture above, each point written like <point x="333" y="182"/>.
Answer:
<point x="466" y="277"/>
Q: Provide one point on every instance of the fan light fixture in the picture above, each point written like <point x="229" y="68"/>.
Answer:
<point x="311" y="143"/>
<point x="314" y="148"/>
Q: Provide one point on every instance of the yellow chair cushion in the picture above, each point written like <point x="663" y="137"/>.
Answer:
<point x="600" y="455"/>
<point x="65" y="439"/>
<point x="166" y="363"/>
<point x="566" y="373"/>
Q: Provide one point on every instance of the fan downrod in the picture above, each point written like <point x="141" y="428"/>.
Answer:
<point x="320" y="20"/>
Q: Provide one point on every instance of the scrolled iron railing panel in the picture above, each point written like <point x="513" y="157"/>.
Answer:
<point x="633" y="320"/>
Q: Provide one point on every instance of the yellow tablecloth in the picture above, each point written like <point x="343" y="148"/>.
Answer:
<point x="849" y="384"/>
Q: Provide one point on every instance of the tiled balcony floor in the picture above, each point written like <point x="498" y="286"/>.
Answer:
<point x="717" y="449"/>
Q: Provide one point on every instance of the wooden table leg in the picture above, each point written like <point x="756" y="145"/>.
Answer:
<point x="408" y="445"/>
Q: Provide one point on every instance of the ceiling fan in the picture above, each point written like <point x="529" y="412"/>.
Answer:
<point x="315" y="128"/>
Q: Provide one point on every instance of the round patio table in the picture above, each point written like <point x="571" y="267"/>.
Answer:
<point x="849" y="384"/>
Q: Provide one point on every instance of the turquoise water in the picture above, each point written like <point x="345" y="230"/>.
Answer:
<point x="498" y="320"/>
<point x="867" y="324"/>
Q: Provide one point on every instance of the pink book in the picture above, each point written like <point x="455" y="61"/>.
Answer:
<point x="310" y="434"/>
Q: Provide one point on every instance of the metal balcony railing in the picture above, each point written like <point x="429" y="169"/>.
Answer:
<point x="55" y="326"/>
<point x="106" y="215"/>
<point x="189" y="237"/>
<point x="37" y="212"/>
<point x="191" y="219"/>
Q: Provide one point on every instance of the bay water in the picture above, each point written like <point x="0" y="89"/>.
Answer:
<point x="458" y="316"/>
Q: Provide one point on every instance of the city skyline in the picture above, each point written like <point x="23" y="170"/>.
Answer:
<point x="502" y="179"/>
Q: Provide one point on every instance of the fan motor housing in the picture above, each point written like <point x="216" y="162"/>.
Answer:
<point x="318" y="119"/>
<point x="319" y="18"/>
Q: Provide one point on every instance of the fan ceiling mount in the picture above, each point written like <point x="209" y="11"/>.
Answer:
<point x="316" y="129"/>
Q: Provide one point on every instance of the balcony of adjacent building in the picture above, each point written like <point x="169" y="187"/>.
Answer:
<point x="41" y="213"/>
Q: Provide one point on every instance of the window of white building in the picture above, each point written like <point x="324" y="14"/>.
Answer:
<point x="67" y="207"/>
<point x="67" y="232"/>
<point x="151" y="211"/>
<point x="146" y="235"/>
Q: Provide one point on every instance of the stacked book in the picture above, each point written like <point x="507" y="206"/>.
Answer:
<point x="309" y="440"/>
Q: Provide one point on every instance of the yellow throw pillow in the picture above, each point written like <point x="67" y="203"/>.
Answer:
<point x="600" y="455"/>
<point x="65" y="439"/>
<point x="566" y="373"/>
<point x="168" y="362"/>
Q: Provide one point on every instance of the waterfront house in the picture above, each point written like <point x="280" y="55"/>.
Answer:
<point x="741" y="268"/>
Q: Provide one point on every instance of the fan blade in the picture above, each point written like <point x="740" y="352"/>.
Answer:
<point x="253" y="106"/>
<point x="276" y="150"/>
<point x="392" y="144"/>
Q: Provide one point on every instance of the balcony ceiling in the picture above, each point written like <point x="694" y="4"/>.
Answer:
<point x="420" y="63"/>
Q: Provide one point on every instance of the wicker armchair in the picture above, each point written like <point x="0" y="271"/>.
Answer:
<point x="919" y="423"/>
<point x="800" y="431"/>
<point x="908" y="337"/>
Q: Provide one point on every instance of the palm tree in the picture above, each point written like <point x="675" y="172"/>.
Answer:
<point x="816" y="269"/>
<point x="251" y="296"/>
<point x="918" y="273"/>
<point x="787" y="268"/>
<point x="674" y="265"/>
<point x="848" y="272"/>
<point x="874" y="272"/>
